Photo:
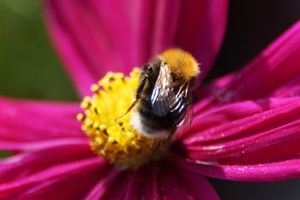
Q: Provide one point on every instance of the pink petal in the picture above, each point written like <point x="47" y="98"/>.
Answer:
<point x="177" y="183"/>
<point x="37" y="145"/>
<point x="140" y="183"/>
<point x="93" y="37"/>
<point x="238" y="133"/>
<point x="274" y="171"/>
<point x="103" y="186"/>
<point x="145" y="180"/>
<point x="290" y="89"/>
<point x="40" y="155"/>
<point x="277" y="65"/>
<point x="154" y="181"/>
<point x="22" y="120"/>
<point x="127" y="183"/>
<point x="63" y="181"/>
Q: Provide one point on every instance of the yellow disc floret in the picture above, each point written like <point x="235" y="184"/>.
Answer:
<point x="107" y="125"/>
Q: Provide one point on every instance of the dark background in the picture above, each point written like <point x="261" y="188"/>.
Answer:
<point x="29" y="67"/>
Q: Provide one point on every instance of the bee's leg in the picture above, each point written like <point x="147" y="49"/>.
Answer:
<point x="138" y="95"/>
<point x="138" y="92"/>
<point x="157" y="147"/>
<point x="165" y="141"/>
<point x="170" y="136"/>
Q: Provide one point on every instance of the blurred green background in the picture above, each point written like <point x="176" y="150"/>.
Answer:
<point x="29" y="67"/>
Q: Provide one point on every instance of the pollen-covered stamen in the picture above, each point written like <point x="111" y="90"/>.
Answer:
<point x="110" y="132"/>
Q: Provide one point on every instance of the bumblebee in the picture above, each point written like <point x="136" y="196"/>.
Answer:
<point x="164" y="97"/>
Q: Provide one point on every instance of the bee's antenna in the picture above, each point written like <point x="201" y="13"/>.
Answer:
<point x="131" y="106"/>
<point x="138" y="96"/>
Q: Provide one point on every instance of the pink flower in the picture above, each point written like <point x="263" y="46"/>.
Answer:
<point x="245" y="124"/>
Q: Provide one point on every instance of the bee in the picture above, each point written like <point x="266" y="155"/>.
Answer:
<point x="164" y="97"/>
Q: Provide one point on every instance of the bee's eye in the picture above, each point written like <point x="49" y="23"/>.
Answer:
<point x="145" y="68"/>
<point x="149" y="68"/>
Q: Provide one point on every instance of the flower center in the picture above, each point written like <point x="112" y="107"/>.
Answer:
<point x="107" y="124"/>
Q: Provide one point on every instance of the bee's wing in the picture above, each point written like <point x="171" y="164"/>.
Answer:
<point x="180" y="104"/>
<point x="162" y="92"/>
<point x="186" y="121"/>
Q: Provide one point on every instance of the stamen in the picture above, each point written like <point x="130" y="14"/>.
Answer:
<point x="112" y="136"/>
